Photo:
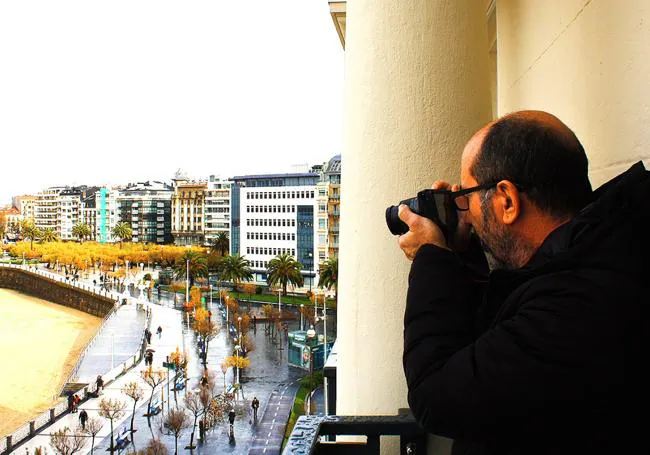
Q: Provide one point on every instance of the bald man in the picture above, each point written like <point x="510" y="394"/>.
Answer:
<point x="527" y="335"/>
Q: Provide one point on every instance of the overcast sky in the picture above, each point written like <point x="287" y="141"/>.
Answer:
<point x="117" y="91"/>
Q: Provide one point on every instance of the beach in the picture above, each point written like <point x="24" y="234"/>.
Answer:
<point x="40" y="342"/>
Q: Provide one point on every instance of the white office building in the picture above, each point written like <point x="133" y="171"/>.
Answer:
<point x="274" y="214"/>
<point x="217" y="208"/>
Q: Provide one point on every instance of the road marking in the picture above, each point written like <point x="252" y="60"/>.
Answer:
<point x="269" y="434"/>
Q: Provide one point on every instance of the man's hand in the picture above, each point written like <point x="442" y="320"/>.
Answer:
<point x="421" y="232"/>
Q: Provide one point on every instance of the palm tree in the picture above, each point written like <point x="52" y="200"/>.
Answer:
<point x="221" y="243"/>
<point x="329" y="275"/>
<point x="29" y="231"/>
<point x="48" y="235"/>
<point x="81" y="231"/>
<point x="284" y="269"/>
<point x="235" y="269"/>
<point x="122" y="231"/>
<point x="198" y="266"/>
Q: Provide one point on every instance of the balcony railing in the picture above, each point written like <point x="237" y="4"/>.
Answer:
<point x="306" y="435"/>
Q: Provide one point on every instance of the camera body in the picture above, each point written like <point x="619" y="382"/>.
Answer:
<point x="436" y="205"/>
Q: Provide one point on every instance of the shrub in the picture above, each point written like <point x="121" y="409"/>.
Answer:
<point x="258" y="290"/>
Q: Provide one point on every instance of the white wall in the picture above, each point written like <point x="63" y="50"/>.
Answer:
<point x="586" y="62"/>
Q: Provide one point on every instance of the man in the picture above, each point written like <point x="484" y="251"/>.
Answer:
<point x="255" y="405"/>
<point x="545" y="353"/>
<point x="83" y="417"/>
<point x="231" y="419"/>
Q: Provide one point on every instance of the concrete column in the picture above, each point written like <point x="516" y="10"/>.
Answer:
<point x="417" y="87"/>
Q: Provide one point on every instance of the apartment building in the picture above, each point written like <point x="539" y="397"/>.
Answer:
<point x="107" y="214"/>
<point x="47" y="209"/>
<point x="188" y="207"/>
<point x="217" y="208"/>
<point x="25" y="205"/>
<point x="146" y="206"/>
<point x="274" y="214"/>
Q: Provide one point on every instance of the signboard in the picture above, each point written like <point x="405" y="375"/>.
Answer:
<point x="171" y="366"/>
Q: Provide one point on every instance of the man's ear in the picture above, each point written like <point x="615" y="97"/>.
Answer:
<point x="508" y="202"/>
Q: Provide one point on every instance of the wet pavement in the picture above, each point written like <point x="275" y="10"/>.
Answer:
<point x="118" y="340"/>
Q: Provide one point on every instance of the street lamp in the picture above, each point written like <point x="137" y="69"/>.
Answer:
<point x="311" y="268"/>
<point x="302" y="310"/>
<point x="187" y="281"/>
<point x="279" y="302"/>
<point x="311" y="334"/>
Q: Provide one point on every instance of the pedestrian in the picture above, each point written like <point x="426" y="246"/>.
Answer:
<point x="254" y="321"/>
<point x="231" y="419"/>
<point x="100" y="384"/>
<point x="525" y="327"/>
<point x="159" y="331"/>
<point x="148" y="336"/>
<point x="71" y="402"/>
<point x="95" y="283"/>
<point x="255" y="405"/>
<point x="204" y="380"/>
<point x="83" y="417"/>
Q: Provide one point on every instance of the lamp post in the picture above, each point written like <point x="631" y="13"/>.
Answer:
<point x="237" y="349"/>
<point x="311" y="334"/>
<point x="280" y="302"/>
<point x="187" y="281"/>
<point x="324" y="329"/>
<point x="311" y="268"/>
<point x="241" y="339"/>
<point x="302" y="310"/>
<point x="210" y="288"/>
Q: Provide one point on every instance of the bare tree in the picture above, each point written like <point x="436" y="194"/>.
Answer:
<point x="155" y="447"/>
<point x="193" y="404"/>
<point x="66" y="442"/>
<point x="177" y="421"/>
<point x="153" y="378"/>
<point x="112" y="410"/>
<point x="133" y="391"/>
<point x="93" y="427"/>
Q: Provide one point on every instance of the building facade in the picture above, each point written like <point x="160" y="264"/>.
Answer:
<point x="47" y="210"/>
<point x="107" y="214"/>
<point x="217" y="208"/>
<point x="276" y="214"/>
<point x="146" y="207"/>
<point x="188" y="207"/>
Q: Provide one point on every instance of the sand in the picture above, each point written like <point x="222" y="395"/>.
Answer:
<point x="39" y="345"/>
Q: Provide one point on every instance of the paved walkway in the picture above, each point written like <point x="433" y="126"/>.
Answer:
<point x="118" y="340"/>
<point x="269" y="433"/>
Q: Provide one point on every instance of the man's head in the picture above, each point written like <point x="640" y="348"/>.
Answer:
<point x="539" y="171"/>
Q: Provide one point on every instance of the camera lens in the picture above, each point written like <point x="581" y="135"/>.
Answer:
<point x="395" y="225"/>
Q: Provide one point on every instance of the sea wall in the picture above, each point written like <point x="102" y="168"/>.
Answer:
<point x="54" y="291"/>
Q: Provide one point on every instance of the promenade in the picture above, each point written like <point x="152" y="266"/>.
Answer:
<point x="267" y="374"/>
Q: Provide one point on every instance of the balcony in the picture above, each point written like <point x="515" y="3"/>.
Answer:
<point x="306" y="435"/>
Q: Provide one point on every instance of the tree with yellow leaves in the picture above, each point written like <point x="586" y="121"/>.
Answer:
<point x="205" y="330"/>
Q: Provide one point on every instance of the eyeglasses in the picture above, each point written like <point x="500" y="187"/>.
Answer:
<point x="461" y="201"/>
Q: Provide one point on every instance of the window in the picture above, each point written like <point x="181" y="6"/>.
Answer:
<point x="322" y="208"/>
<point x="293" y="237"/>
<point x="322" y="223"/>
<point x="322" y="239"/>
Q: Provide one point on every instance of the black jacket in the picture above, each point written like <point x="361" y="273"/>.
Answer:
<point x="549" y="358"/>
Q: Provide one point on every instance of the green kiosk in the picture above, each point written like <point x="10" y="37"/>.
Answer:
<point x="306" y="347"/>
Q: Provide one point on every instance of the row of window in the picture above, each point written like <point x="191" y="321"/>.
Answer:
<point x="271" y="251"/>
<point x="270" y="236"/>
<point x="271" y="208"/>
<point x="272" y="222"/>
<point x="303" y="194"/>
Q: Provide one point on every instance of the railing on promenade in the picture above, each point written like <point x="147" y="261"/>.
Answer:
<point x="314" y="435"/>
<point x="31" y="428"/>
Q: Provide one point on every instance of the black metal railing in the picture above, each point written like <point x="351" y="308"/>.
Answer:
<point x="306" y="437"/>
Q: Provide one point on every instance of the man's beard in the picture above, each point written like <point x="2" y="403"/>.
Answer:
<point x="498" y="243"/>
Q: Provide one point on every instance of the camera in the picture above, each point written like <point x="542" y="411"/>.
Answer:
<point x="436" y="205"/>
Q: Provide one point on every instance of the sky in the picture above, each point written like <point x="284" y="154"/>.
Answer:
<point x="111" y="92"/>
